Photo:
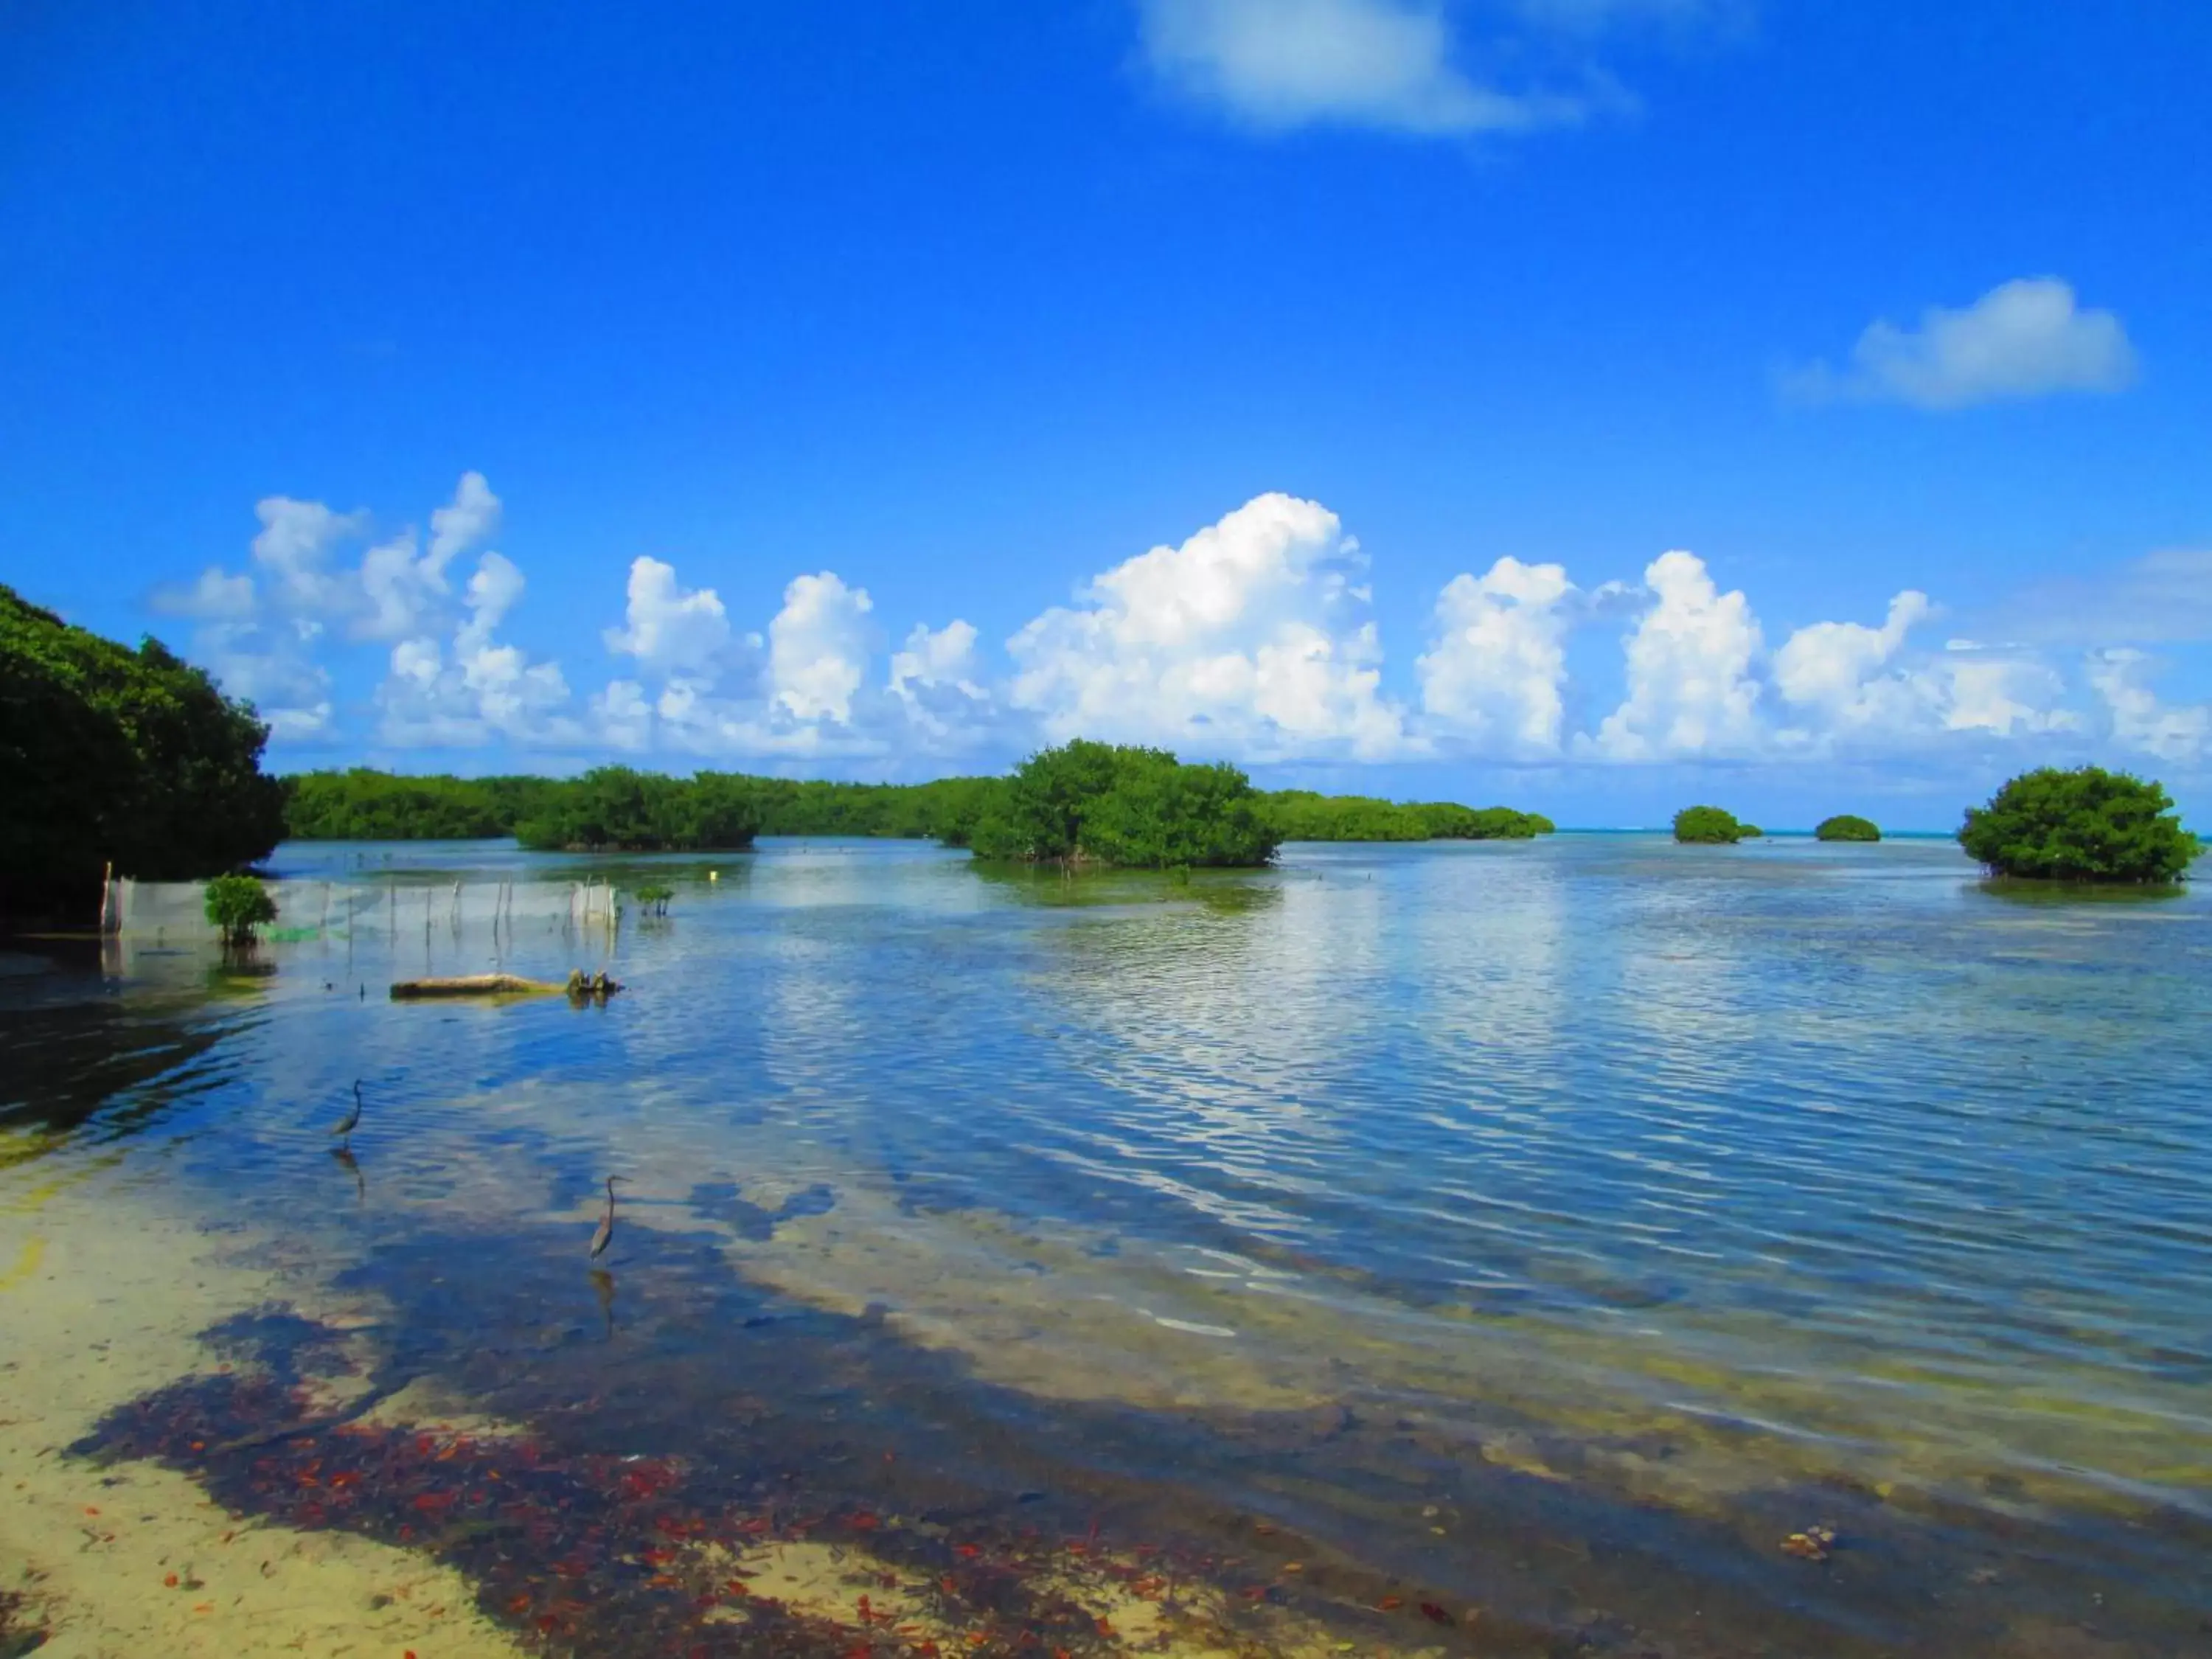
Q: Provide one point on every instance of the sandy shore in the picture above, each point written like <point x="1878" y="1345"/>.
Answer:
<point x="133" y="1561"/>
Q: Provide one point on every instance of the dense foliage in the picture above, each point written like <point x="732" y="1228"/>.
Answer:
<point x="112" y="754"/>
<point x="238" y="905"/>
<point x="614" y="809"/>
<point x="946" y="809"/>
<point x="1302" y="815"/>
<point x="1846" y="826"/>
<point x="1138" y="808"/>
<point x="365" y="805"/>
<point x="1710" y="825"/>
<point x="2087" y="825"/>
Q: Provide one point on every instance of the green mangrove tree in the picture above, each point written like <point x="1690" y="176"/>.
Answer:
<point x="2083" y="824"/>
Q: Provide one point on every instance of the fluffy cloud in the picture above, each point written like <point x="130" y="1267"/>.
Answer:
<point x="493" y="592"/>
<point x="485" y="690"/>
<point x="2024" y="339"/>
<point x="1249" y="639"/>
<point x="666" y="628"/>
<point x="2001" y="690"/>
<point x="945" y="657"/>
<point x="272" y="665"/>
<point x="2139" y="719"/>
<point x="1384" y="63"/>
<point x="818" y="647"/>
<point x="402" y="590"/>
<point x="263" y="633"/>
<point x="468" y="520"/>
<point x="263" y="648"/>
<point x="1495" y="673"/>
<point x="1837" y="671"/>
<point x="937" y="677"/>
<point x="1691" y="693"/>
<point x="295" y="546"/>
<point x="802" y="689"/>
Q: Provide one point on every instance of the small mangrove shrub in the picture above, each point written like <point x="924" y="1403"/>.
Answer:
<point x="238" y="905"/>
<point x="652" y="900"/>
<point x="1846" y="826"/>
<point x="1709" y="826"/>
<point x="2086" y="825"/>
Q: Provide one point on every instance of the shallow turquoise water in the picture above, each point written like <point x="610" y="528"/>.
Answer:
<point x="1654" y="1201"/>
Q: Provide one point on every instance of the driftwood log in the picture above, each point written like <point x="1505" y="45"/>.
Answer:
<point x="578" y="985"/>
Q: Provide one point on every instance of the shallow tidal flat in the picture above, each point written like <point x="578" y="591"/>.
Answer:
<point x="1477" y="1249"/>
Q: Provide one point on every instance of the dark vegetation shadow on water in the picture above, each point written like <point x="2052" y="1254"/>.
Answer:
<point x="719" y="1420"/>
<point x="2060" y="895"/>
<point x="1049" y="886"/>
<point x="69" y="1060"/>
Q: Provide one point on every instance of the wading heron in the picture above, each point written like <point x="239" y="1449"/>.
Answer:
<point x="344" y="1129"/>
<point x="607" y="1227"/>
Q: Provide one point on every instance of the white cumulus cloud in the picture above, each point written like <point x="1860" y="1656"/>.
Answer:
<point x="818" y="647"/>
<point x="295" y="546"/>
<point x="937" y="678"/>
<point x="1249" y="639"/>
<point x="467" y="520"/>
<point x="945" y="656"/>
<point x="272" y="665"/>
<point x="1690" y="687"/>
<point x="482" y="691"/>
<point x="2024" y="339"/>
<point x="2001" y="690"/>
<point x="403" y="589"/>
<point x="666" y="628"/>
<point x="1385" y="63"/>
<point x="1495" y="673"/>
<point x="492" y="592"/>
<point x="2174" y="733"/>
<point x="1840" y="673"/>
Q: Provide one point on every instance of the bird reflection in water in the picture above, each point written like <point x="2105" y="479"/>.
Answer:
<point x="351" y="1165"/>
<point x="603" y="1286"/>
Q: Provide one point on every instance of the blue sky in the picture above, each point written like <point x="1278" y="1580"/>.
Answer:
<point x="882" y="391"/>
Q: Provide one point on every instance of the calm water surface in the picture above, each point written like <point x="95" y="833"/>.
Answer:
<point x="1554" y="1227"/>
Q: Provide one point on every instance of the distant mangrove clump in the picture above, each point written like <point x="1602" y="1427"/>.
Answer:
<point x="1710" y="826"/>
<point x="1303" y="815"/>
<point x="2086" y="825"/>
<point x="1131" y="808"/>
<point x="612" y="809"/>
<point x="112" y="755"/>
<point x="360" y="804"/>
<point x="1846" y="826"/>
